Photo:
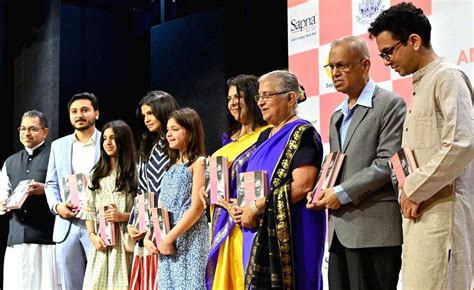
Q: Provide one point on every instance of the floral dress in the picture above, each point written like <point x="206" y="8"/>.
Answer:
<point x="109" y="268"/>
<point x="184" y="269"/>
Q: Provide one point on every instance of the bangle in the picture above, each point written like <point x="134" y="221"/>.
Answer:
<point x="56" y="208"/>
<point x="254" y="207"/>
<point x="230" y="207"/>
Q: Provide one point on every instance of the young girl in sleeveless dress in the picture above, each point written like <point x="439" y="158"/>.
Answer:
<point x="183" y="251"/>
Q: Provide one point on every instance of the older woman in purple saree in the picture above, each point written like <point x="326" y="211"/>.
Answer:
<point x="283" y="242"/>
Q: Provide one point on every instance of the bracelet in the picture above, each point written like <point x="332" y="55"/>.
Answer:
<point x="56" y="208"/>
<point x="230" y="207"/>
<point x="254" y="207"/>
<point x="90" y="233"/>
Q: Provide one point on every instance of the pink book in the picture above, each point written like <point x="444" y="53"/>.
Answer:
<point x="398" y="169"/>
<point x="217" y="179"/>
<point x="107" y="230"/>
<point x="328" y="174"/>
<point x="74" y="192"/>
<point x="402" y="164"/>
<point x="151" y="199"/>
<point x="76" y="185"/>
<point x="156" y="227"/>
<point x="410" y="155"/>
<point x="142" y="214"/>
<point x="334" y="169"/>
<point x="251" y="186"/>
<point x="161" y="224"/>
<point x="19" y="195"/>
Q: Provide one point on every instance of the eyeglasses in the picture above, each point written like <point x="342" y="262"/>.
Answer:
<point x="341" y="66"/>
<point x="389" y="51"/>
<point x="267" y="97"/>
<point x="22" y="129"/>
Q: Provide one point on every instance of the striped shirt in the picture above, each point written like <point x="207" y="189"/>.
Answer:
<point x="151" y="172"/>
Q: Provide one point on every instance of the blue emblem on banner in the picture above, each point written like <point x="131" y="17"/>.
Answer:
<point x="368" y="10"/>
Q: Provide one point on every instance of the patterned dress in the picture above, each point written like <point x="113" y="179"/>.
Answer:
<point x="109" y="268"/>
<point x="184" y="269"/>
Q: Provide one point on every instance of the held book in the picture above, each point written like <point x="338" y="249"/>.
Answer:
<point x="106" y="230"/>
<point x="151" y="199"/>
<point x="251" y="186"/>
<point x="328" y="174"/>
<point x="217" y="179"/>
<point x="401" y="164"/>
<point x="75" y="187"/>
<point x="19" y="195"/>
<point x="140" y="216"/>
<point x="161" y="224"/>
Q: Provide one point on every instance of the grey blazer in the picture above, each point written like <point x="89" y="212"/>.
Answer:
<point x="60" y="165"/>
<point x="373" y="217"/>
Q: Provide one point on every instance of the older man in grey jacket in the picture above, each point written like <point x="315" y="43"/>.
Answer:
<point x="365" y="232"/>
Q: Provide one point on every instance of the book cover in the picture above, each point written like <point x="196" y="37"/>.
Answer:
<point x="19" y="195"/>
<point x="140" y="215"/>
<point x="161" y="224"/>
<point x="401" y="164"/>
<point x="217" y="179"/>
<point x="328" y="174"/>
<point x="106" y="230"/>
<point x="334" y="169"/>
<point x="151" y="199"/>
<point x="251" y="186"/>
<point x="75" y="187"/>
<point x="207" y="182"/>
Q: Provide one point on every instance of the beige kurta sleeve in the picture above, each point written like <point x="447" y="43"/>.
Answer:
<point x="455" y="128"/>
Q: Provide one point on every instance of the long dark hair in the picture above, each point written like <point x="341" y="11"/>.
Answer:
<point x="126" y="159"/>
<point x="190" y="121"/>
<point x="162" y="105"/>
<point x="247" y="85"/>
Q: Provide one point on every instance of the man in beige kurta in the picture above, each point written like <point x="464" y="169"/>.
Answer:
<point x="437" y="199"/>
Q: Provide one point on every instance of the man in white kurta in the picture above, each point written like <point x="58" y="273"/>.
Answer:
<point x="30" y="258"/>
<point x="437" y="199"/>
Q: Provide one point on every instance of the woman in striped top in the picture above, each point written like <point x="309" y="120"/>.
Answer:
<point x="152" y="112"/>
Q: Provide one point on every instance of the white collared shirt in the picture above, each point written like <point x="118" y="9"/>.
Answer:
<point x="30" y="150"/>
<point x="5" y="186"/>
<point x="83" y="154"/>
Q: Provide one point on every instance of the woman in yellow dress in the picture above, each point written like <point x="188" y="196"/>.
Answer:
<point x="225" y="265"/>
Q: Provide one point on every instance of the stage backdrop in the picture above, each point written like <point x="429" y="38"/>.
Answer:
<point x="313" y="24"/>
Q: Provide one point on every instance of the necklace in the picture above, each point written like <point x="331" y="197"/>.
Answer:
<point x="282" y="124"/>
<point x="241" y="133"/>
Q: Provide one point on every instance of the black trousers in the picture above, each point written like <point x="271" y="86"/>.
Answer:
<point x="363" y="269"/>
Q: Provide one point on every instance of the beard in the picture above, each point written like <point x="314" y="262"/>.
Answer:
<point x="85" y="126"/>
